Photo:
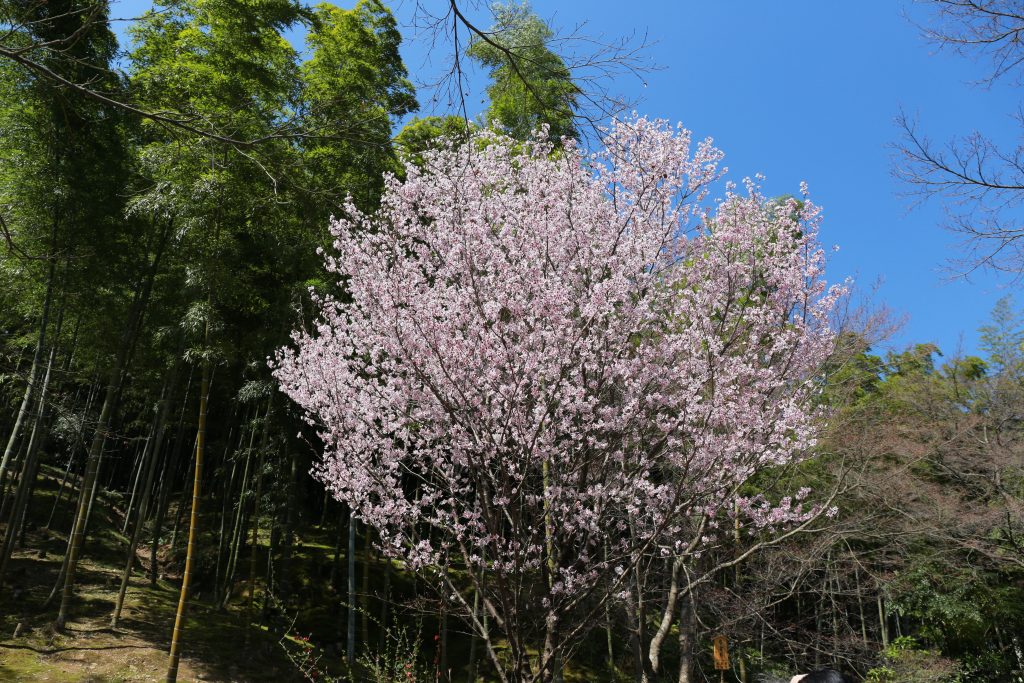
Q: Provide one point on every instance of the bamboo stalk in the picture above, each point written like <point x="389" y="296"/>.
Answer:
<point x="193" y="527"/>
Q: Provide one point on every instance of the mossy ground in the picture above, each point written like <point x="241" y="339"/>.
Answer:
<point x="220" y="643"/>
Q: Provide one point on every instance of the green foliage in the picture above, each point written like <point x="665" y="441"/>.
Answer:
<point x="354" y="87"/>
<point x="955" y="606"/>
<point x="1003" y="338"/>
<point x="950" y="439"/>
<point x="916" y="361"/>
<point x="905" y="662"/>
<point x="64" y="166"/>
<point x="248" y="220"/>
<point x="224" y="61"/>
<point x="857" y="378"/>
<point x="530" y="85"/>
<point x="423" y="134"/>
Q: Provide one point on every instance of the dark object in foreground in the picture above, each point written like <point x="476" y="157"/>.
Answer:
<point x="826" y="676"/>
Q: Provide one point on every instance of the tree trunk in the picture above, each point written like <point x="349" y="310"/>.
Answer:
<point x="34" y="370"/>
<point x="882" y="625"/>
<point x="238" y="530"/>
<point x="364" y="597"/>
<point x="284" y="578"/>
<point x="256" y="513"/>
<point x="60" y="491"/>
<point x="336" y="563"/>
<point x="654" y="649"/>
<point x="183" y="505"/>
<point x="88" y="481"/>
<point x="255" y="540"/>
<point x="137" y="475"/>
<point x="79" y="441"/>
<point x="636" y="611"/>
<point x="472" y="638"/>
<point x="114" y="380"/>
<point x="154" y="457"/>
<point x="350" y="649"/>
<point x="275" y="535"/>
<point x="687" y="637"/>
<point x="228" y="490"/>
<point x="167" y="485"/>
<point x="40" y="435"/>
<point x="94" y="488"/>
<point x="193" y="529"/>
<point x="29" y="467"/>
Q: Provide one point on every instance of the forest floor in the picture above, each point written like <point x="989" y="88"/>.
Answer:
<point x="219" y="644"/>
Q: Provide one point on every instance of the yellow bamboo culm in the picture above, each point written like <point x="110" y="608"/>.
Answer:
<point x="193" y="525"/>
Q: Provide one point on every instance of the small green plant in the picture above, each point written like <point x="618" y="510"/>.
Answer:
<point x="906" y="662"/>
<point x="399" y="659"/>
<point x="306" y="657"/>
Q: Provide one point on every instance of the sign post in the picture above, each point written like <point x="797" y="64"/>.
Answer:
<point x="721" y="656"/>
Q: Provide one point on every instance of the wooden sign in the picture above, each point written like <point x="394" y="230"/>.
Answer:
<point x="721" y="653"/>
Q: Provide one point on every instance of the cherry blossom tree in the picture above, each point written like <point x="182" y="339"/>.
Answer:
<point x="547" y="369"/>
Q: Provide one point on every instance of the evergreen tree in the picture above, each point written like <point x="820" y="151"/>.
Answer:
<point x="530" y="85"/>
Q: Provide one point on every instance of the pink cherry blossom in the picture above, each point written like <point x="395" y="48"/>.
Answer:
<point x="547" y="366"/>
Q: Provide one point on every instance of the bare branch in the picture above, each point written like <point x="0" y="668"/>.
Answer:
<point x="992" y="29"/>
<point x="981" y="187"/>
<point x="592" y="61"/>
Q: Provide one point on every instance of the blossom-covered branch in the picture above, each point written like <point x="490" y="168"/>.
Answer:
<point x="546" y="367"/>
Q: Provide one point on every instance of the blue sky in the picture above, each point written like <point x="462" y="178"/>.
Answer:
<point x="804" y="90"/>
